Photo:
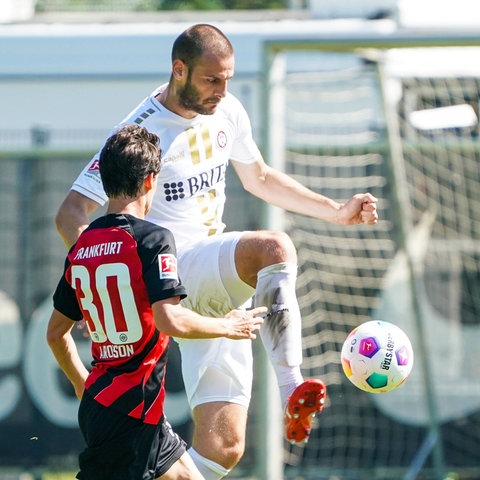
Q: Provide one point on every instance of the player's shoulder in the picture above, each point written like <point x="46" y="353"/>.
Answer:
<point x="150" y="236"/>
<point x="145" y="110"/>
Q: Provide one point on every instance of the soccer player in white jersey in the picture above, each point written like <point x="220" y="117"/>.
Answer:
<point x="202" y="128"/>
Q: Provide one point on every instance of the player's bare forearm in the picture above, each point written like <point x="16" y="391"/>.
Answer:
<point x="281" y="190"/>
<point x="63" y="347"/>
<point x="173" y="319"/>
<point x="68" y="360"/>
<point x="73" y="216"/>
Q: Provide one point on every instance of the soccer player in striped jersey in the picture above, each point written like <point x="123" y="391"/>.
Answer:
<point x="204" y="128"/>
<point x="121" y="277"/>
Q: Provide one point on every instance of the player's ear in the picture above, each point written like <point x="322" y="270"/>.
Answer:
<point x="179" y="69"/>
<point x="150" y="181"/>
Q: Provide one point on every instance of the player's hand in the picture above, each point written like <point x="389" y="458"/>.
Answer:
<point x="361" y="208"/>
<point x="243" y="324"/>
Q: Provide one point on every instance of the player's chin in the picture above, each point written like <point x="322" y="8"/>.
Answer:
<point x="210" y="107"/>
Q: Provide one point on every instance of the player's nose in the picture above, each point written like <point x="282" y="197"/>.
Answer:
<point x="221" y="88"/>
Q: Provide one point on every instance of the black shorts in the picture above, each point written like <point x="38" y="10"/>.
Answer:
<point x="123" y="448"/>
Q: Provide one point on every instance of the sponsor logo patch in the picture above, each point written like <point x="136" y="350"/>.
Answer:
<point x="174" y="191"/>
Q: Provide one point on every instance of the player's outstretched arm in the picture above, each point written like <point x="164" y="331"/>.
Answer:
<point x="60" y="341"/>
<point x="242" y="324"/>
<point x="173" y="319"/>
<point x="73" y="216"/>
<point x="281" y="190"/>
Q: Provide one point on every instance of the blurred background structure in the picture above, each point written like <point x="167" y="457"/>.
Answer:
<point x="347" y="96"/>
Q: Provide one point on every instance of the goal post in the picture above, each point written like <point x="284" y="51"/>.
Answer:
<point x="402" y="209"/>
<point x="394" y="112"/>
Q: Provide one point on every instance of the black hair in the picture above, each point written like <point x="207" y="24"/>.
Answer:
<point x="127" y="158"/>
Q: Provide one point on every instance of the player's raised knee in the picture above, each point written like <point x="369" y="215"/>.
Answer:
<point x="278" y="247"/>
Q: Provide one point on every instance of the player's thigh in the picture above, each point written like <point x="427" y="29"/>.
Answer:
<point x="208" y="271"/>
<point x="182" y="469"/>
<point x="216" y="369"/>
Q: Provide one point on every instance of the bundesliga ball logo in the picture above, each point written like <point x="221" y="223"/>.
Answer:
<point x="377" y="356"/>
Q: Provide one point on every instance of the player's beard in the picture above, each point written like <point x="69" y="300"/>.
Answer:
<point x="189" y="98"/>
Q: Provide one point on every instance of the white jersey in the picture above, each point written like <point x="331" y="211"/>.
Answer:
<point x="190" y="195"/>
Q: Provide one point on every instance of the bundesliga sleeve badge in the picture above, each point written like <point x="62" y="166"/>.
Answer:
<point x="168" y="267"/>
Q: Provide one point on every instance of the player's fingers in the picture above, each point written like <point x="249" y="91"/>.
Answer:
<point x="369" y="206"/>
<point x="369" y="217"/>
<point x="369" y="198"/>
<point x="257" y="323"/>
<point x="248" y="331"/>
<point x="369" y="213"/>
<point x="255" y="312"/>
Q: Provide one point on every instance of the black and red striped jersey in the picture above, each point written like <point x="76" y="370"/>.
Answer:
<point x="118" y="268"/>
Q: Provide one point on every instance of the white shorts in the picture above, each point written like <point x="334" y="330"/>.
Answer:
<point x="217" y="369"/>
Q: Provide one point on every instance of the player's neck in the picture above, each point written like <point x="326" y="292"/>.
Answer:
<point x="169" y="100"/>
<point x="134" y="207"/>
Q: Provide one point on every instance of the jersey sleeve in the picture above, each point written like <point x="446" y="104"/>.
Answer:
<point x="65" y="300"/>
<point x="245" y="149"/>
<point x="159" y="254"/>
<point x="89" y="183"/>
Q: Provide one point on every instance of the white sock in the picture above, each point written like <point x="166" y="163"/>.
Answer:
<point x="282" y="330"/>
<point x="209" y="469"/>
<point x="288" y="378"/>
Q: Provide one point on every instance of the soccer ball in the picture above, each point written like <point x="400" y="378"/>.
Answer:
<point x="377" y="356"/>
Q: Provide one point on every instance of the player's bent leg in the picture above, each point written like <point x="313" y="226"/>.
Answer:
<point x="272" y="257"/>
<point x="183" y="469"/>
<point x="259" y="249"/>
<point x="219" y="395"/>
<point x="218" y="381"/>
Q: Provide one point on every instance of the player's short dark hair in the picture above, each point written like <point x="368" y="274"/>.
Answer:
<point x="127" y="158"/>
<point x="198" y="39"/>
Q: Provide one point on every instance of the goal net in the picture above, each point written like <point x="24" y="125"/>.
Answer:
<point x="402" y="124"/>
